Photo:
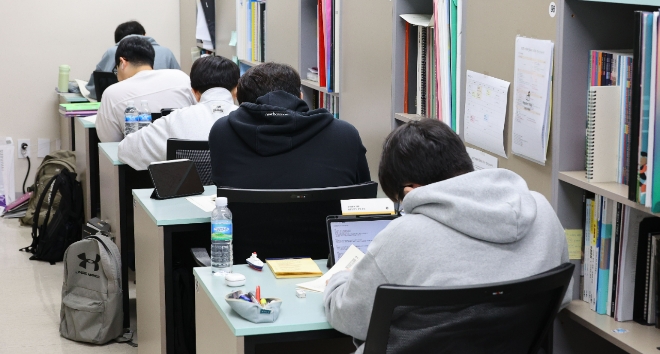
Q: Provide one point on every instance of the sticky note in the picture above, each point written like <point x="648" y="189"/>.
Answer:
<point x="574" y="240"/>
<point x="235" y="59"/>
<point x="234" y="39"/>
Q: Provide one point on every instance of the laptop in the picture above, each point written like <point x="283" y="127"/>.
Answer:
<point x="344" y="231"/>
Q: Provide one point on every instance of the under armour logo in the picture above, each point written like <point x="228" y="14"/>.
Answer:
<point x="85" y="261"/>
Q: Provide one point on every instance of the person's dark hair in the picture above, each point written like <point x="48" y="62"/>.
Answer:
<point x="128" y="28"/>
<point x="210" y="72"/>
<point x="421" y="152"/>
<point x="268" y="77"/>
<point x="136" y="50"/>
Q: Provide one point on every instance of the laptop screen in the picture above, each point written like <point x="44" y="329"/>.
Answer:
<point x="360" y="233"/>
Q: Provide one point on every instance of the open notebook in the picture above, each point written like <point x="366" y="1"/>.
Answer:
<point x="603" y="115"/>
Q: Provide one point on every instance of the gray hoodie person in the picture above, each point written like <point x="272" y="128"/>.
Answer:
<point x="164" y="60"/>
<point x="481" y="227"/>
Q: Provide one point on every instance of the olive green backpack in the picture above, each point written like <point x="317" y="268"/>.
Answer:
<point x="51" y="166"/>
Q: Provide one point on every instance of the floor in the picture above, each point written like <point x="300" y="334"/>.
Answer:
<point x="30" y="300"/>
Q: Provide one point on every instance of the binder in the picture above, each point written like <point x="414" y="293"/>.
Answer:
<point x="602" y="129"/>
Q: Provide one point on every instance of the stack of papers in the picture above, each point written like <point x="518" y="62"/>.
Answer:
<point x="294" y="268"/>
<point x="351" y="257"/>
<point x="204" y="202"/>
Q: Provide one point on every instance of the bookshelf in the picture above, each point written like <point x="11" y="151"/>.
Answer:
<point x="583" y="25"/>
<point x="639" y="339"/>
<point x="315" y="86"/>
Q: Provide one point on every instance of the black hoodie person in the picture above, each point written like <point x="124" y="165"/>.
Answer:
<point x="273" y="140"/>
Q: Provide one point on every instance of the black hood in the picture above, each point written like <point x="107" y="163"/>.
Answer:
<point x="277" y="123"/>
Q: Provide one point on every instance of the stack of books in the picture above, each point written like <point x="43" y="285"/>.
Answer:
<point x="18" y="208"/>
<point x="251" y="30"/>
<point x="620" y="265"/>
<point x="79" y="109"/>
<point x="623" y="109"/>
<point x="328" y="39"/>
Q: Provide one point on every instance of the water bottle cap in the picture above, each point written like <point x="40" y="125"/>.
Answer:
<point x="131" y="103"/>
<point x="143" y="101"/>
<point x="65" y="68"/>
<point x="221" y="201"/>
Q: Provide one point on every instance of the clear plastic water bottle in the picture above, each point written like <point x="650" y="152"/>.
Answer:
<point x="144" y="115"/>
<point x="130" y="118"/>
<point x="222" y="257"/>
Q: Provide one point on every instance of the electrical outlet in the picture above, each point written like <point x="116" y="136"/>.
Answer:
<point x="22" y="153"/>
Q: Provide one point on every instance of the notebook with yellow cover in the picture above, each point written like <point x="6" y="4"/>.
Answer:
<point x="294" y="268"/>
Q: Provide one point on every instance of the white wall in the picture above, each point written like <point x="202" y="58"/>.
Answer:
<point x="37" y="36"/>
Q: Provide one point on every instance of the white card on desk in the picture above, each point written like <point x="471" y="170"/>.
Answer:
<point x="374" y="206"/>
<point x="351" y="257"/>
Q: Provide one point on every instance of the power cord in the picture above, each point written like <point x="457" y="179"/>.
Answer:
<point x="24" y="147"/>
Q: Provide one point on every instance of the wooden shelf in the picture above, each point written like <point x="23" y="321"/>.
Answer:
<point x="630" y="2"/>
<point x="249" y="62"/>
<point x="315" y="86"/>
<point x="611" y="190"/>
<point x="639" y="339"/>
<point x="406" y="117"/>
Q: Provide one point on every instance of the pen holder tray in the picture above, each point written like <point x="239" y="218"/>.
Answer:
<point x="255" y="313"/>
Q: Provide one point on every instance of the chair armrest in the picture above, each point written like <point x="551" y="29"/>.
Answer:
<point x="201" y="257"/>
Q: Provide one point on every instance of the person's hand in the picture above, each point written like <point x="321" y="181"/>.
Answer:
<point x="345" y="270"/>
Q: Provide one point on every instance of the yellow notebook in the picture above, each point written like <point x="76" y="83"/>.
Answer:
<point x="294" y="268"/>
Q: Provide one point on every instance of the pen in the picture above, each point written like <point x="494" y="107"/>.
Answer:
<point x="243" y="297"/>
<point x="253" y="299"/>
<point x="258" y="295"/>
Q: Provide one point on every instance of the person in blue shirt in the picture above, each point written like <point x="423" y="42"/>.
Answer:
<point x="164" y="57"/>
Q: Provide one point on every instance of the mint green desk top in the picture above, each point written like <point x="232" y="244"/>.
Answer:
<point x="296" y="315"/>
<point x="176" y="211"/>
<point x="86" y="124"/>
<point x="110" y="150"/>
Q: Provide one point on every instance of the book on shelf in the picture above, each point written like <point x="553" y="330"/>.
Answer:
<point x="327" y="101"/>
<point x="251" y="30"/>
<point x="620" y="265"/>
<point x="603" y="117"/>
<point x="328" y="18"/>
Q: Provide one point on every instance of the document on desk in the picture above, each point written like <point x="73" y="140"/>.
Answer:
<point x="485" y="111"/>
<point x="532" y="97"/>
<point x="91" y="119"/>
<point x="204" y="202"/>
<point x="351" y="257"/>
<point x="83" y="90"/>
<point x="294" y="268"/>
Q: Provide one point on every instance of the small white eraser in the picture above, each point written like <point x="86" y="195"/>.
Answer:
<point x="235" y="279"/>
<point x="301" y="293"/>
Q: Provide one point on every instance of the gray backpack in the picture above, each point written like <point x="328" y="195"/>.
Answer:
<point x="92" y="295"/>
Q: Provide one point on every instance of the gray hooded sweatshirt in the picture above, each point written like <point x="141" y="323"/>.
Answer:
<point x="164" y="60"/>
<point x="478" y="228"/>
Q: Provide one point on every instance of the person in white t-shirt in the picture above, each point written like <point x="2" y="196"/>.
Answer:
<point x="213" y="81"/>
<point x="167" y="88"/>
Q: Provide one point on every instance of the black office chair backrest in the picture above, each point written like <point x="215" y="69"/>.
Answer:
<point x="102" y="80"/>
<point x="511" y="317"/>
<point x="196" y="151"/>
<point x="287" y="222"/>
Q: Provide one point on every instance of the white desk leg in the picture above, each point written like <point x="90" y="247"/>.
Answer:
<point x="109" y="182"/>
<point x="82" y="165"/>
<point x="65" y="132"/>
<point x="211" y="331"/>
<point x="150" y="284"/>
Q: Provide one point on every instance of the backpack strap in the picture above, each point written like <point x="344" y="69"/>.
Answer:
<point x="117" y="275"/>
<point x="31" y="248"/>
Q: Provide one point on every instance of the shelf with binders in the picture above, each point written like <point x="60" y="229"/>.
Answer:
<point x="424" y="60"/>
<point x="585" y="26"/>
<point x="320" y="44"/>
<point x="251" y="29"/>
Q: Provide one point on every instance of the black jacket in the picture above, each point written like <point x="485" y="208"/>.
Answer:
<point x="278" y="143"/>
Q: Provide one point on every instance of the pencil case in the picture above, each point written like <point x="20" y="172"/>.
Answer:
<point x="256" y="313"/>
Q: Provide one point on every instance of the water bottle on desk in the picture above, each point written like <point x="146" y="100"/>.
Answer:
<point x="221" y="237"/>
<point x="130" y="118"/>
<point x="144" y="115"/>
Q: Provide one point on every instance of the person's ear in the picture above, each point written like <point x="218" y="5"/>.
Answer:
<point x="122" y="63"/>
<point x="197" y="94"/>
<point x="233" y="93"/>
<point x="302" y="96"/>
<point x="407" y="189"/>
